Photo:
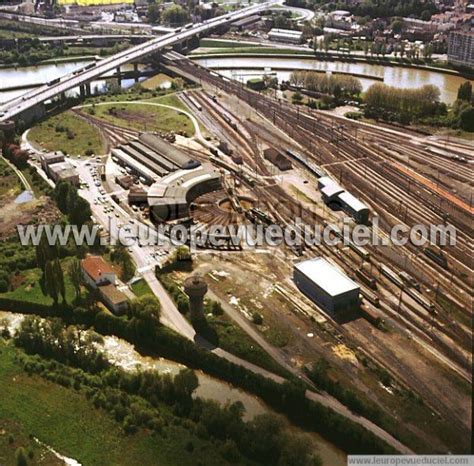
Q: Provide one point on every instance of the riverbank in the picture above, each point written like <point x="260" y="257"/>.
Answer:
<point x="310" y="55"/>
<point x="124" y="355"/>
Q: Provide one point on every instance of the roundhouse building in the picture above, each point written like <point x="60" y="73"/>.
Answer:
<point x="326" y="285"/>
<point x="170" y="197"/>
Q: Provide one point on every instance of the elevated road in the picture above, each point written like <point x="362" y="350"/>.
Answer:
<point x="20" y="106"/>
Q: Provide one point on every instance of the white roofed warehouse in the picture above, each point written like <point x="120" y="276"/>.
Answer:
<point x="285" y="35"/>
<point x="326" y="285"/>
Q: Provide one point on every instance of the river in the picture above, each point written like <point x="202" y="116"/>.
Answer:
<point x="43" y="74"/>
<point x="124" y="355"/>
<point x="244" y="68"/>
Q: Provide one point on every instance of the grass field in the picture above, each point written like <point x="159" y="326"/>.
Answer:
<point x="9" y="182"/>
<point x="65" y="420"/>
<point x="76" y="137"/>
<point x="234" y="340"/>
<point x="30" y="289"/>
<point x="141" y="288"/>
<point x="146" y="117"/>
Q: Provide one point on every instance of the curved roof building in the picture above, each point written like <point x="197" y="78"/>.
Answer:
<point x="169" y="198"/>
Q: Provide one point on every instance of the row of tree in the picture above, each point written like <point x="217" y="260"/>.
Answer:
<point x="409" y="104"/>
<point x="334" y="84"/>
<point x="71" y="204"/>
<point x="135" y="398"/>
<point x="52" y="278"/>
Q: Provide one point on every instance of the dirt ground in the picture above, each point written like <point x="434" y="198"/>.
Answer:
<point x="304" y="334"/>
<point x="42" y="210"/>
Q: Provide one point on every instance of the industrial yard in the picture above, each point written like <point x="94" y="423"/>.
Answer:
<point x="376" y="330"/>
<point x="401" y="328"/>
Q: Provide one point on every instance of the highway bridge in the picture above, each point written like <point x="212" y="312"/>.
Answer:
<point x="29" y="106"/>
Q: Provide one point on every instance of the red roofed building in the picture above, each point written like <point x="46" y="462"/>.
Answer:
<point x="97" y="271"/>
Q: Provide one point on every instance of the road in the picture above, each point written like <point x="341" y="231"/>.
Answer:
<point x="29" y="100"/>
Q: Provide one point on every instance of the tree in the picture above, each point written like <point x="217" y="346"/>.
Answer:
<point x="465" y="91"/>
<point x="50" y="284"/>
<point x="281" y="22"/>
<point x="185" y="383"/>
<point x="81" y="213"/>
<point x="75" y="275"/>
<point x="425" y="15"/>
<point x="21" y="457"/>
<point x="466" y="118"/>
<point x="154" y="13"/>
<point x="59" y="278"/>
<point x="175" y="14"/>
<point x="397" y="26"/>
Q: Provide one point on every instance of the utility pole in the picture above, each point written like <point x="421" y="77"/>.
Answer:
<point x="400" y="299"/>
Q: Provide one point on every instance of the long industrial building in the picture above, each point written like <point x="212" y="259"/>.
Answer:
<point x="326" y="285"/>
<point x="151" y="157"/>
<point x="332" y="192"/>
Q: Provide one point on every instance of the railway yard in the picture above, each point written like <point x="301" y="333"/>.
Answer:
<point x="407" y="350"/>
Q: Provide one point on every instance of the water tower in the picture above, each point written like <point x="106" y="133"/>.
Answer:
<point x="196" y="288"/>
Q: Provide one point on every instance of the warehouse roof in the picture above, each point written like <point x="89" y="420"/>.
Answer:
<point x="175" y="155"/>
<point x="286" y="32"/>
<point x="326" y="276"/>
<point x="331" y="190"/>
<point x="352" y="202"/>
<point x="325" y="180"/>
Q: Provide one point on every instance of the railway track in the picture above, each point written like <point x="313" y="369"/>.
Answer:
<point x="311" y="130"/>
<point x="420" y="320"/>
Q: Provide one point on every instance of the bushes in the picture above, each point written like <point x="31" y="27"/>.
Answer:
<point x="319" y="375"/>
<point x="466" y="118"/>
<point x="179" y="296"/>
<point x="354" y="115"/>
<point x="287" y="398"/>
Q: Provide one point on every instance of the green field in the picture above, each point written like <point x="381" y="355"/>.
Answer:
<point x="9" y="182"/>
<point x="234" y="340"/>
<point x="67" y="132"/>
<point x="30" y="289"/>
<point x="147" y="117"/>
<point x="65" y="420"/>
<point x="141" y="288"/>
